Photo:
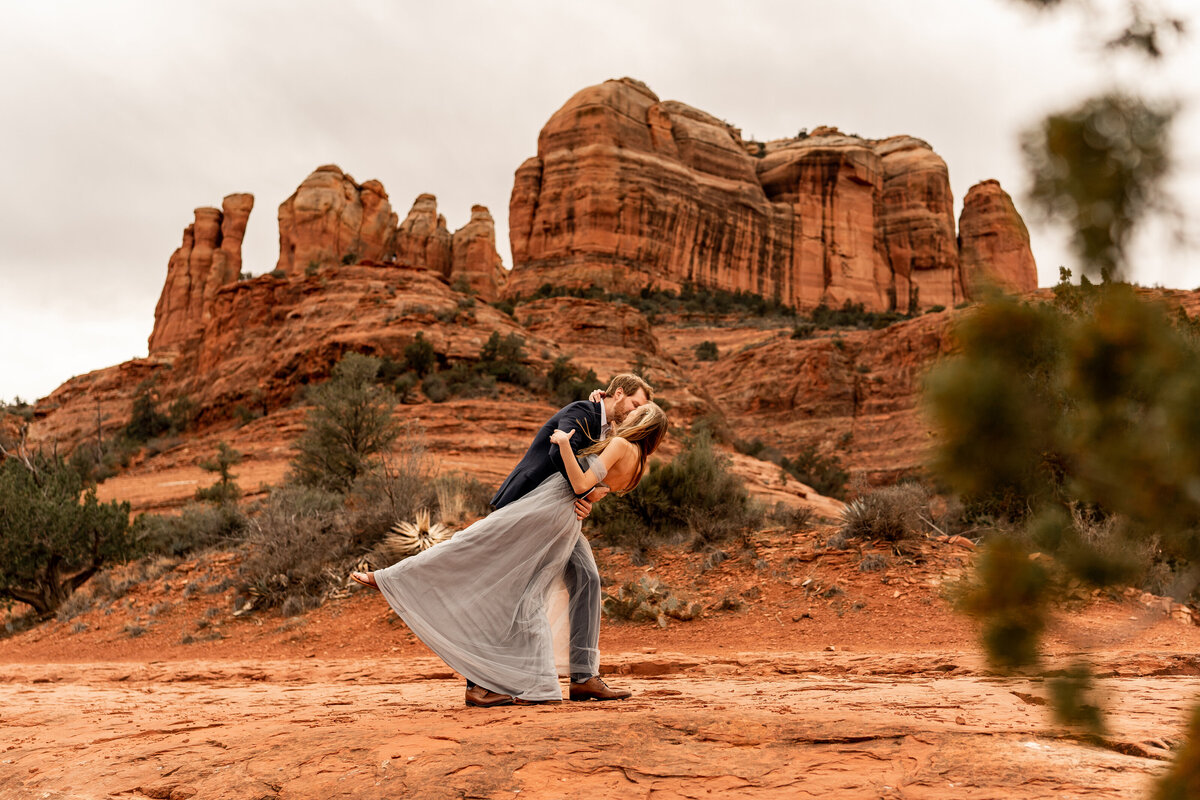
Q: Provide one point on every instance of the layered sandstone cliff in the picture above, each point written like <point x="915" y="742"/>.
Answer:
<point x="209" y="257"/>
<point x="628" y="191"/>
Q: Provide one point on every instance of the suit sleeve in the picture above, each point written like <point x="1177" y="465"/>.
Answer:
<point x="580" y="416"/>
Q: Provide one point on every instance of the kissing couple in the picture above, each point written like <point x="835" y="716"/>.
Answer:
<point x="480" y="599"/>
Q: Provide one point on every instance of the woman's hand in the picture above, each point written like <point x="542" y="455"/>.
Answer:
<point x="597" y="494"/>
<point x="561" y="438"/>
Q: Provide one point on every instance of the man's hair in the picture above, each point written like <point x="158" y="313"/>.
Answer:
<point x="629" y="383"/>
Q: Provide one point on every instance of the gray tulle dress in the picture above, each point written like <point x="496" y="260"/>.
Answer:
<point x="481" y="600"/>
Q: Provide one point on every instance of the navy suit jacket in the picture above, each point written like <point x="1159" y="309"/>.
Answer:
<point x="542" y="459"/>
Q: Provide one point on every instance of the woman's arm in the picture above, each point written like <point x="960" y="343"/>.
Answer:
<point x="583" y="482"/>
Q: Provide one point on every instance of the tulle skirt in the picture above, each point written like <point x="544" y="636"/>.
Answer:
<point x="490" y="601"/>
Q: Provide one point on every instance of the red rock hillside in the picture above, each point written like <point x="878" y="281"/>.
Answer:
<point x="628" y="191"/>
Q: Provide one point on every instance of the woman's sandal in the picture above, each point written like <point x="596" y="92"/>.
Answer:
<point x="364" y="578"/>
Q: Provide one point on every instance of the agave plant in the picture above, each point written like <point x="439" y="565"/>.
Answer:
<point x="410" y="538"/>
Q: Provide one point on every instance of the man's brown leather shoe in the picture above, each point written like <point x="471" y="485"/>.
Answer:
<point x="594" y="688"/>
<point x="486" y="698"/>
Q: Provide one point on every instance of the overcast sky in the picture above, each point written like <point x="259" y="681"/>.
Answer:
<point x="119" y="118"/>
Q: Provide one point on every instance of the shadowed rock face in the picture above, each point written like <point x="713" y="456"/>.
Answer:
<point x="209" y="258"/>
<point x="995" y="242"/>
<point x="628" y="191"/>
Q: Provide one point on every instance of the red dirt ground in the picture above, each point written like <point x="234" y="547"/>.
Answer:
<point x="874" y="688"/>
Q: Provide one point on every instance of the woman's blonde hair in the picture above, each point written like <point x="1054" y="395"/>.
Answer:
<point x="645" y="427"/>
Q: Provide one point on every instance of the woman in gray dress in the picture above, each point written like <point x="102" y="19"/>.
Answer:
<point x="479" y="599"/>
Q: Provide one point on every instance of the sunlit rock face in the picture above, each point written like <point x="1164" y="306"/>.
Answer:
<point x="209" y="257"/>
<point x="330" y="219"/>
<point x="628" y="191"/>
<point x="995" y="243"/>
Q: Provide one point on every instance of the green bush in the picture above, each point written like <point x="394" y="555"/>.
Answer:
<point x="419" y="356"/>
<point x="195" y="528"/>
<point x="225" y="490"/>
<point x="468" y="380"/>
<point x="502" y="357"/>
<point x="567" y="384"/>
<point x="853" y="315"/>
<point x="51" y="542"/>
<point x="675" y="499"/>
<point x="404" y="386"/>
<point x="804" y="330"/>
<point x="707" y="351"/>
<point x="823" y="473"/>
<point x="146" y="421"/>
<point x="350" y="424"/>
<point x="435" y="388"/>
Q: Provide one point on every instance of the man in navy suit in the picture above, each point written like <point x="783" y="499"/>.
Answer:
<point x="594" y="419"/>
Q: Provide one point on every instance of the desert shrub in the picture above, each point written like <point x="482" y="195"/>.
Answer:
<point x="402" y="485"/>
<point x="225" y="490"/>
<point x="824" y="473"/>
<point x="468" y="380"/>
<point x="435" y="388"/>
<point x="852" y="315"/>
<point x="804" y="330"/>
<point x="567" y="384"/>
<point x="295" y="552"/>
<point x="890" y="513"/>
<point x="707" y="351"/>
<point x="674" y="496"/>
<point x="502" y="357"/>
<point x="182" y="413"/>
<point x="195" y="528"/>
<point x="55" y="534"/>
<point x="460" y="497"/>
<point x="419" y="356"/>
<point x="350" y="424"/>
<point x="146" y="421"/>
<point x="793" y="518"/>
<point x="80" y="602"/>
<point x="404" y="386"/>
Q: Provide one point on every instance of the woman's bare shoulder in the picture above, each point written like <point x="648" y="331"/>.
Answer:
<point x="623" y="446"/>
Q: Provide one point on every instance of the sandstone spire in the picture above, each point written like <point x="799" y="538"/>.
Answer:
<point x="209" y="257"/>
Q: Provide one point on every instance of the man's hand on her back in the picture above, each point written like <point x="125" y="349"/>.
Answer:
<point x="596" y="396"/>
<point x="582" y="509"/>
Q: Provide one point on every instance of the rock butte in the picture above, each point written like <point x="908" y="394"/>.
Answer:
<point x="628" y="191"/>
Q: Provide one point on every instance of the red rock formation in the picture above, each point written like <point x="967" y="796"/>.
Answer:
<point x="475" y="260"/>
<point x="995" y="242"/>
<point x="628" y="191"/>
<point x="422" y="239"/>
<point x="916" y="224"/>
<point x="209" y="258"/>
<point x="829" y="184"/>
<point x="330" y="219"/>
